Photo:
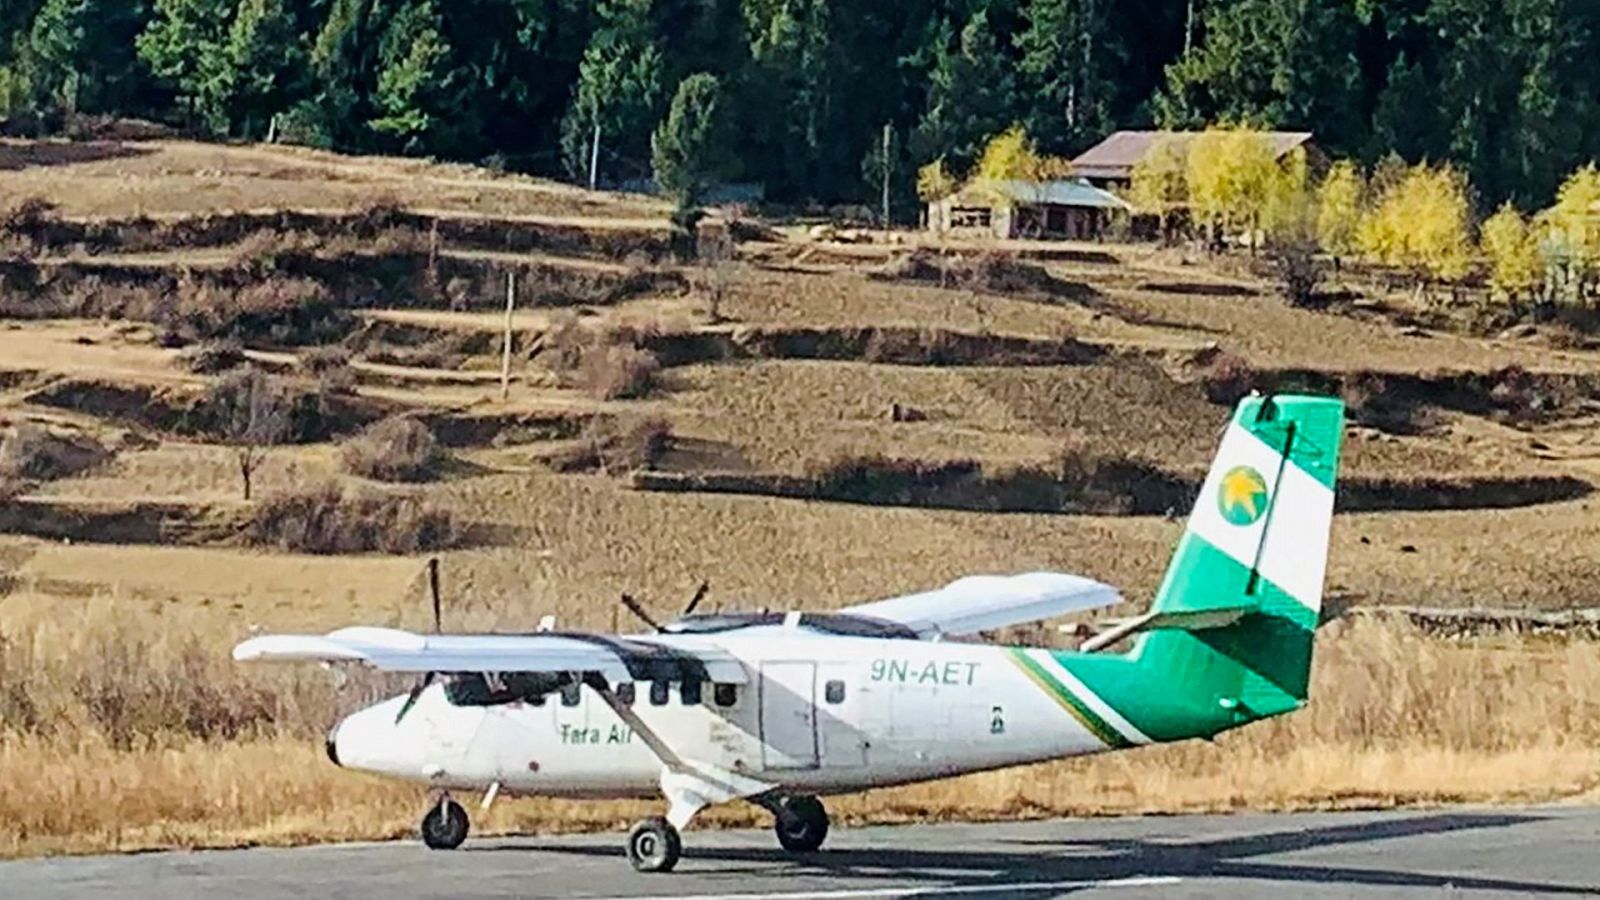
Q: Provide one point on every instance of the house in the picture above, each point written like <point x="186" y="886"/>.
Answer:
<point x="1110" y="163"/>
<point x="1069" y="208"/>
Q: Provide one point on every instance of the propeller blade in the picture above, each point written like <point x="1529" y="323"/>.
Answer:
<point x="411" y="698"/>
<point x="699" y="594"/>
<point x="433" y="589"/>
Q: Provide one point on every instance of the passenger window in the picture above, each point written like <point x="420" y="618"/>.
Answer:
<point x="725" y="694"/>
<point x="570" y="694"/>
<point x="690" y="692"/>
<point x="624" y="693"/>
<point x="658" y="693"/>
<point x="834" y="692"/>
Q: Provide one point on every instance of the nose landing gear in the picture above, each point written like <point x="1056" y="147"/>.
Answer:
<point x="445" y="825"/>
<point x="654" y="845"/>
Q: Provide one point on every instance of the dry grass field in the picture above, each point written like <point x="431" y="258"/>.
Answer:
<point x="139" y="281"/>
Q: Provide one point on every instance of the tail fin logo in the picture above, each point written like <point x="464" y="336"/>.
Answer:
<point x="1242" y="496"/>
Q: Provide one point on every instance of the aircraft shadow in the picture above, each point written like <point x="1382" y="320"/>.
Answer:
<point x="1111" y="859"/>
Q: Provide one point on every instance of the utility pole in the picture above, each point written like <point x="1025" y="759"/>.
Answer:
<point x="505" y="347"/>
<point x="888" y="134"/>
<point x="1188" y="29"/>
<point x="594" y="158"/>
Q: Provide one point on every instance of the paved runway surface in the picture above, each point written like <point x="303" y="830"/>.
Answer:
<point x="1477" y="853"/>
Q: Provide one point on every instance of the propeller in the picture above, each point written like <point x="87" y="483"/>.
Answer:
<point x="428" y="678"/>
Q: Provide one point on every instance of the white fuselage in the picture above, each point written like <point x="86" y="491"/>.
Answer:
<point x="818" y="714"/>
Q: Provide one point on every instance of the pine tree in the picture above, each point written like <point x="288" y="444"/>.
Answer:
<point x="970" y="95"/>
<point x="1067" y="53"/>
<point x="1273" y="63"/>
<point x="620" y="90"/>
<point x="794" y="70"/>
<point x="417" y="85"/>
<point x="690" y="150"/>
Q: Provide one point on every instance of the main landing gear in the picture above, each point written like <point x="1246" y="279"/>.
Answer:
<point x="445" y="825"/>
<point x="801" y="823"/>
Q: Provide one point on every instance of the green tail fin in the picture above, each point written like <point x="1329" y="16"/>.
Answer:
<point x="1232" y="625"/>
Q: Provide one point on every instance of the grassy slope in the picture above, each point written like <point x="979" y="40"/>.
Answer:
<point x="575" y="542"/>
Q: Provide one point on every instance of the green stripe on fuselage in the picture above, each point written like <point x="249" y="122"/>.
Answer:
<point x="1068" y="700"/>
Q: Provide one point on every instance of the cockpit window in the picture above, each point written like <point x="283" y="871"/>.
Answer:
<point x="624" y="693"/>
<point x="725" y="694"/>
<point x="570" y="694"/>
<point x="690" y="692"/>
<point x="659" y="693"/>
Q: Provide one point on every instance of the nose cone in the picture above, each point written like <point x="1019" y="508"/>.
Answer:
<point x="371" y="740"/>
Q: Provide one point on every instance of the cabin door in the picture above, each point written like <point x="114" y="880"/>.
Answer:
<point x="789" y="715"/>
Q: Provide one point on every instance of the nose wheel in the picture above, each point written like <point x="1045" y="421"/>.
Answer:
<point x="445" y="825"/>
<point x="801" y="823"/>
<point x="654" y="845"/>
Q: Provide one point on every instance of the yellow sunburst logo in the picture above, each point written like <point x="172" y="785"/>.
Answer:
<point x="1242" y="497"/>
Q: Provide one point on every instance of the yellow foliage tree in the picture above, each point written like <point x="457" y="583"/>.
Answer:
<point x="1420" y="223"/>
<point x="1516" y="268"/>
<point x="1012" y="156"/>
<point x="1339" y="208"/>
<point x="934" y="182"/>
<point x="1160" y="180"/>
<point x="1574" y="224"/>
<point x="1236" y="182"/>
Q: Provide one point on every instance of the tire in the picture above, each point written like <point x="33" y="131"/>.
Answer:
<point x="654" y="845"/>
<point x="801" y="824"/>
<point x="445" y="826"/>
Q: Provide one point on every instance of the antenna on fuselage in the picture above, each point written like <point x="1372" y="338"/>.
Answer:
<point x="433" y="590"/>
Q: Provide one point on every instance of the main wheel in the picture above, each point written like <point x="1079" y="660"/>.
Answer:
<point x="445" y="826"/>
<point x="654" y="845"/>
<point x="802" y="824"/>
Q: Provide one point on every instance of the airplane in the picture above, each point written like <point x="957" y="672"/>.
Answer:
<point x="781" y="708"/>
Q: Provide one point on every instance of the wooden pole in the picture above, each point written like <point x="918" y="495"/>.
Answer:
<point x="505" y="347"/>
<point x="887" y="134"/>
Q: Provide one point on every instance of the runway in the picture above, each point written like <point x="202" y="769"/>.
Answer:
<point x="1532" y="852"/>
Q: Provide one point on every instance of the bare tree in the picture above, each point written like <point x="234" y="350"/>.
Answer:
<point x="715" y="253"/>
<point x="253" y="412"/>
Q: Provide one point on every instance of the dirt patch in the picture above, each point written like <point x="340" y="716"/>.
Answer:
<point x="183" y="411"/>
<point x="141" y="234"/>
<point x="304" y="297"/>
<point x="898" y="345"/>
<point x="993" y="273"/>
<point x="1109" y="486"/>
<point x="462" y="429"/>
<point x="1403" y="402"/>
<point x="142" y="522"/>
<point x="1199" y="288"/>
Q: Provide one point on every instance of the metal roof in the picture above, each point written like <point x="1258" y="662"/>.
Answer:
<point x="1116" y="156"/>
<point x="1064" y="192"/>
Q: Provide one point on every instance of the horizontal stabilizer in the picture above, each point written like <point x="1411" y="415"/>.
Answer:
<point x="985" y="602"/>
<point x="1197" y="620"/>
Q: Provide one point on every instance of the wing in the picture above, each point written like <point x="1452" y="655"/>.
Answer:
<point x="670" y="658"/>
<point x="983" y="602"/>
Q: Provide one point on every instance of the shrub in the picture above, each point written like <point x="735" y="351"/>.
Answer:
<point x="331" y="366"/>
<point x="327" y="519"/>
<point x="31" y="452"/>
<point x="1228" y="379"/>
<point x="214" y="356"/>
<point x="1299" y="273"/>
<point x="616" y="446"/>
<point x="395" y="449"/>
<point x="618" y="371"/>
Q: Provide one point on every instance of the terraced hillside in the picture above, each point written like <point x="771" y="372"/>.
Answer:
<point x="797" y="422"/>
